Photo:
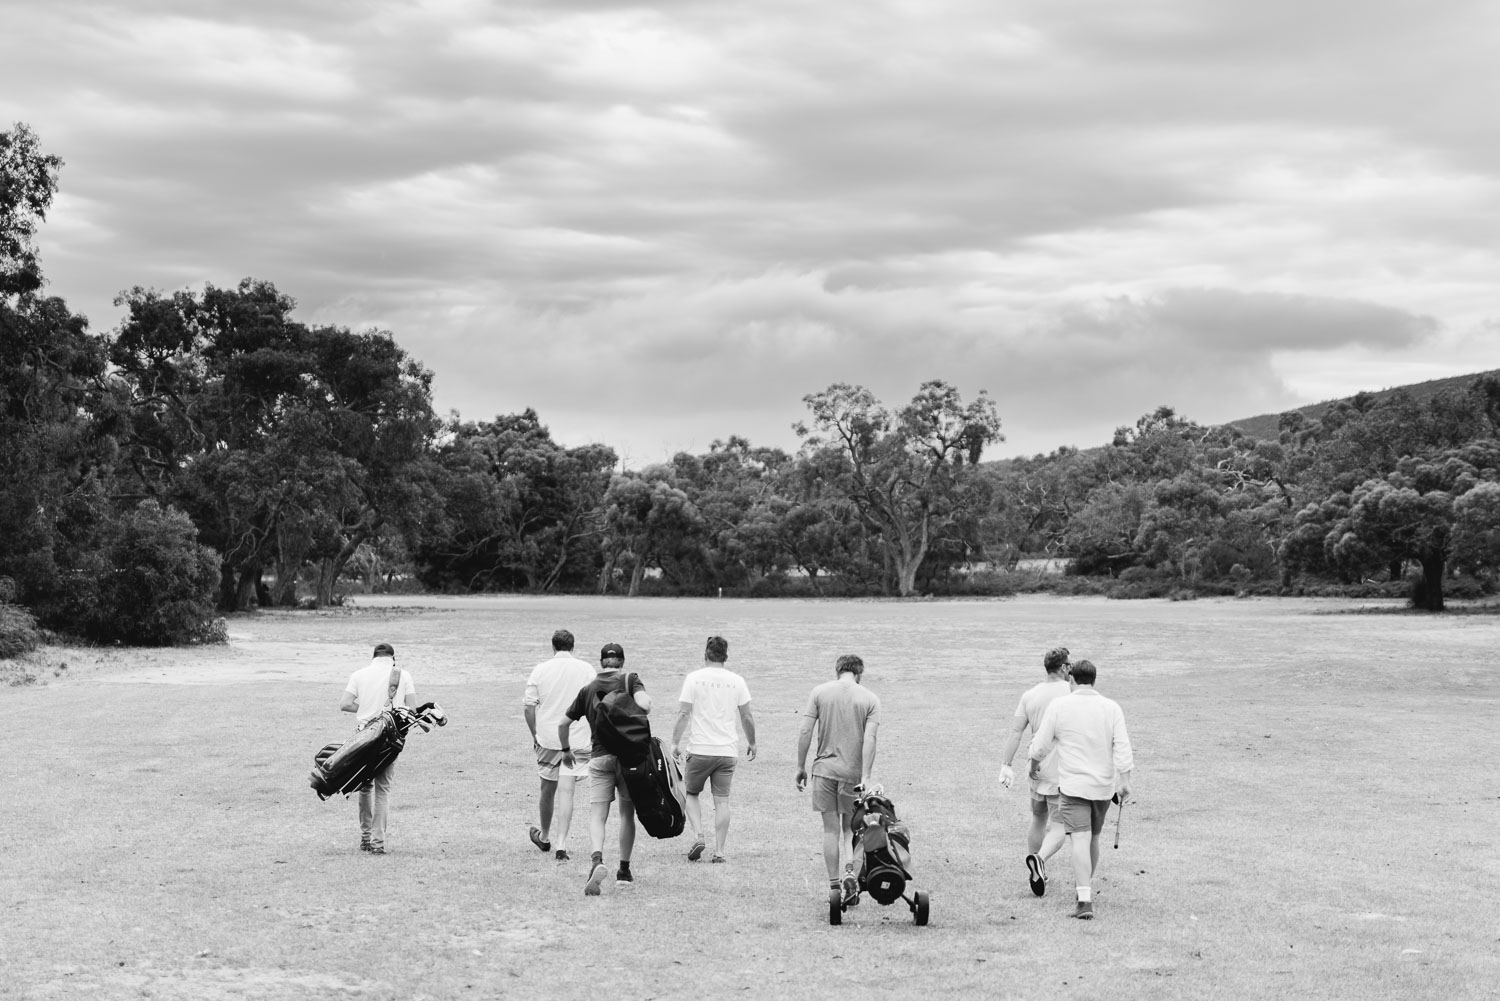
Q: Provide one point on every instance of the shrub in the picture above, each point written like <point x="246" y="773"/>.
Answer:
<point x="18" y="632"/>
<point x="158" y="585"/>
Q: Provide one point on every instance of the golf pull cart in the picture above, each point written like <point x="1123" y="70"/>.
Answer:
<point x="883" y="844"/>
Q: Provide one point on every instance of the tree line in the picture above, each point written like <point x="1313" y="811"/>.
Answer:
<point x="211" y="454"/>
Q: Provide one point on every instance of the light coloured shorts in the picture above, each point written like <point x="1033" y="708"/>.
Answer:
<point x="605" y="780"/>
<point x="1044" y="804"/>
<point x="549" y="764"/>
<point x="701" y="768"/>
<point x="830" y="795"/>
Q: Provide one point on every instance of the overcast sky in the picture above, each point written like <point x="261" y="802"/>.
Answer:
<point x="663" y="225"/>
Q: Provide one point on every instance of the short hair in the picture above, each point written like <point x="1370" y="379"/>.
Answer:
<point x="1055" y="659"/>
<point x="384" y="650"/>
<point x="562" y="640"/>
<point x="849" y="664"/>
<point x="1084" y="672"/>
<point x="717" y="649"/>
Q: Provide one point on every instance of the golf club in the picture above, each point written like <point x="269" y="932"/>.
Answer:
<point x="1118" y="813"/>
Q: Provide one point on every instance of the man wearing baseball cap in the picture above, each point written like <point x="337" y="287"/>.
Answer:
<point x="1046" y="834"/>
<point x="604" y="776"/>
<point x="369" y="691"/>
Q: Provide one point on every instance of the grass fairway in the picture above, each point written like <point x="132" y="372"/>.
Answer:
<point x="1315" y="817"/>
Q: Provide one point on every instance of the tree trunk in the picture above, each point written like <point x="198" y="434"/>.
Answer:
<point x="227" y="590"/>
<point x="1427" y="593"/>
<point x="638" y="572"/>
<point x="1395" y="568"/>
<point x="249" y="585"/>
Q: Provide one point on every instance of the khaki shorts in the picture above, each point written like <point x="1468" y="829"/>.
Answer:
<point x="832" y="795"/>
<point x="1079" y="815"/>
<point x="549" y="764"/>
<point x="1044" y="805"/>
<point x="702" y="768"/>
<point x="605" y="780"/>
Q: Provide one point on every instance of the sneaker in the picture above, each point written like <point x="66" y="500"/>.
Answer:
<point x="562" y="855"/>
<point x="1037" y="873"/>
<point x="536" y="839"/>
<point x="696" y="852"/>
<point x="717" y="858"/>
<point x="623" y="876"/>
<point x="591" y="888"/>
<point x="377" y="849"/>
<point x="1084" y="911"/>
<point x="851" y="890"/>
<point x="364" y="844"/>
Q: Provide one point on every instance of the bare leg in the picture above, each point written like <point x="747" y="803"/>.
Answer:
<point x="694" y="809"/>
<point x="1083" y="868"/>
<point x="835" y="834"/>
<point x="1035" y="834"/>
<point x="627" y="831"/>
<point x="1052" y="842"/>
<point x="566" y="790"/>
<point x="544" y="806"/>
<point x="721" y="823"/>
<point x="598" y="815"/>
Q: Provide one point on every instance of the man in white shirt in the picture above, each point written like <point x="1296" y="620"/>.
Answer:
<point x="369" y="691"/>
<point x="1094" y="762"/>
<point x="551" y="688"/>
<point x="1046" y="834"/>
<point x="713" y="698"/>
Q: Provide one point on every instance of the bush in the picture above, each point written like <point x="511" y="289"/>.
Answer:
<point x="18" y="632"/>
<point x="157" y="585"/>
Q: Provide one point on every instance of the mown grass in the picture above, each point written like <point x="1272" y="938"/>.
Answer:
<point x="1315" y="816"/>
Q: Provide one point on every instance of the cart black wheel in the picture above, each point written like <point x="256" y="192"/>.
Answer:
<point x="919" y="907"/>
<point x="835" y="907"/>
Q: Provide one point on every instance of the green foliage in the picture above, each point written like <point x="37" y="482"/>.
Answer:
<point x="19" y="632"/>
<point x="156" y="586"/>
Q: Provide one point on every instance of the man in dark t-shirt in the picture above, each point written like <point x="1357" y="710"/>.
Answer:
<point x="604" y="774"/>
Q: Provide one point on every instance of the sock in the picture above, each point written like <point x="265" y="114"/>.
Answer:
<point x="834" y="884"/>
<point x="1085" y="894"/>
<point x="598" y="858"/>
<point x="624" y="865"/>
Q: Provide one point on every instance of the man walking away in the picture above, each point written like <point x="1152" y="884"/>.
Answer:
<point x="370" y="690"/>
<point x="712" y="698"/>
<point x="605" y="779"/>
<point x="1093" y="764"/>
<point x="847" y="717"/>
<point x="551" y="688"/>
<point x="1046" y="834"/>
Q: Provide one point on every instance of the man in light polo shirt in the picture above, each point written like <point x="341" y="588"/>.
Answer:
<point x="712" y="698"/>
<point x="846" y="716"/>
<point x="1046" y="834"/>
<point x="370" y="689"/>
<point x="550" y="689"/>
<point x="1094" y="762"/>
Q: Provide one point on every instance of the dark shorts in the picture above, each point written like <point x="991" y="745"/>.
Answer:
<point x="702" y="768"/>
<point x="1079" y="815"/>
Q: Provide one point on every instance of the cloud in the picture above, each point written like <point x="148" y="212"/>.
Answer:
<point x="661" y="225"/>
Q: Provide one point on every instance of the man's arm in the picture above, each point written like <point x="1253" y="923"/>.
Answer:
<point x="349" y="704"/>
<point x="684" y="713"/>
<point x="529" y="702"/>
<point x="641" y="698"/>
<point x="1008" y="753"/>
<point x="1124" y="757"/>
<point x="867" y="753"/>
<point x="1042" y="738"/>
<point x="747" y="721"/>
<point x="804" y="741"/>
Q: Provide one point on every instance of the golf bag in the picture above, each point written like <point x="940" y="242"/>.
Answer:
<point x="343" y="768"/>
<point x="655" y="784"/>
<point x="886" y="845"/>
<point x="620" y="724"/>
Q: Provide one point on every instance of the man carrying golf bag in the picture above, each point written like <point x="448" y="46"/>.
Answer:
<point x="370" y="690"/>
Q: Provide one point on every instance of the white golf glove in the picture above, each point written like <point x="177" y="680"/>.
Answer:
<point x="1007" y="775"/>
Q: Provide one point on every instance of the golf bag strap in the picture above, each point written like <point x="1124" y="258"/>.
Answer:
<point x="390" y="694"/>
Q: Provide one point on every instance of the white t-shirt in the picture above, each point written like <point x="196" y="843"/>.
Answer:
<point x="371" y="687"/>
<point x="552" y="687"/>
<point x="1093" y="747"/>
<point x="716" y="694"/>
<point x="1033" y="705"/>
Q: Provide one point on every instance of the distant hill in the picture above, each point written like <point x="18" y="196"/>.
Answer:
<point x="1267" y="426"/>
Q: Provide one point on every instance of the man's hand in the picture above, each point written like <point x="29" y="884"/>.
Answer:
<point x="1007" y="775"/>
<point x="1035" y="771"/>
<point x="1122" y="795"/>
<point x="750" y="752"/>
<point x="801" y="779"/>
<point x="567" y="758"/>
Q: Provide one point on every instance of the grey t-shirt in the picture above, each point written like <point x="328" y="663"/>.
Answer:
<point x="841" y="709"/>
